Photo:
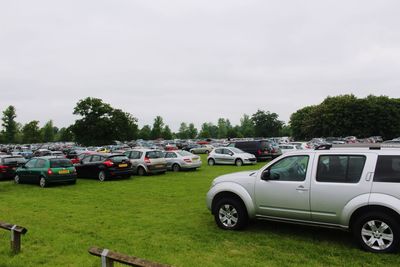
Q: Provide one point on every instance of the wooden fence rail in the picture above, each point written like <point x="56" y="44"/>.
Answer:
<point x="109" y="257"/>
<point x="16" y="232"/>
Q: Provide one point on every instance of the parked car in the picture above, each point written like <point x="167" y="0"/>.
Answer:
<point x="9" y="164"/>
<point x="285" y="148"/>
<point x="262" y="149"/>
<point x="230" y="155"/>
<point x="104" y="166"/>
<point x="46" y="170"/>
<point x="147" y="161"/>
<point x="354" y="189"/>
<point x="201" y="149"/>
<point x="182" y="160"/>
<point x="303" y="145"/>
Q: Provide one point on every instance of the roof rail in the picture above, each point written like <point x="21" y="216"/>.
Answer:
<point x="323" y="147"/>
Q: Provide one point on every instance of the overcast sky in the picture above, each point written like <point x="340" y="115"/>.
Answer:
<point x="194" y="61"/>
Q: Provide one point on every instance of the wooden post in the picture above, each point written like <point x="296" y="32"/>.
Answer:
<point x="15" y="241"/>
<point x="106" y="262"/>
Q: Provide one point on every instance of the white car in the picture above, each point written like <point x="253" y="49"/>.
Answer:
<point x="230" y="155"/>
<point x="303" y="145"/>
<point x="289" y="148"/>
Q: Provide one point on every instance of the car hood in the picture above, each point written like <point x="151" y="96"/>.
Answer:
<point x="237" y="177"/>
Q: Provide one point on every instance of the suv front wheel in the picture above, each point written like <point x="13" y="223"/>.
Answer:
<point x="230" y="214"/>
<point x="377" y="232"/>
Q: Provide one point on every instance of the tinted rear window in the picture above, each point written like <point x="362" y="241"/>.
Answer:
<point x="60" y="163"/>
<point x="340" y="168"/>
<point x="119" y="158"/>
<point x="387" y="169"/>
<point x="13" y="160"/>
<point x="154" y="154"/>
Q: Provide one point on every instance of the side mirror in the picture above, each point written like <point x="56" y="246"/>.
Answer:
<point x="266" y="175"/>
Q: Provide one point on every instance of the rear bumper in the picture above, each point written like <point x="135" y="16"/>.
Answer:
<point x="193" y="165"/>
<point x="119" y="173"/>
<point x="61" y="178"/>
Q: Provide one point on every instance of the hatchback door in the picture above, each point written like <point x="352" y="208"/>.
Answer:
<point x="286" y="193"/>
<point x="337" y="179"/>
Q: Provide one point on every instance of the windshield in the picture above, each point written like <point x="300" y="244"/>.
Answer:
<point x="236" y="150"/>
<point x="185" y="153"/>
<point x="14" y="160"/>
<point x="60" y="163"/>
<point x="154" y="154"/>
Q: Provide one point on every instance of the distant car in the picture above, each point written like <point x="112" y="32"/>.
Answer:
<point x="262" y="149"/>
<point x="147" y="161"/>
<point x="285" y="148"/>
<point x="303" y="145"/>
<point x="181" y="160"/>
<point x="189" y="146"/>
<point x="9" y="165"/>
<point x="104" y="166"/>
<point x="202" y="149"/>
<point x="46" y="170"/>
<point x="230" y="155"/>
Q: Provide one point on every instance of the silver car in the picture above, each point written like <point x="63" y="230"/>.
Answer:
<point x="230" y="155"/>
<point x="355" y="189"/>
<point x="181" y="160"/>
<point x="202" y="149"/>
<point x="147" y="161"/>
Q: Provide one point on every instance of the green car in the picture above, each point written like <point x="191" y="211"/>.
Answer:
<point x="45" y="171"/>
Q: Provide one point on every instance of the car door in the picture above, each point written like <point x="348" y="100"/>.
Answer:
<point x="169" y="158"/>
<point x="229" y="156"/>
<point x="219" y="156"/>
<point x="282" y="190"/>
<point x="82" y="167"/>
<point x="37" y="171"/>
<point x="337" y="179"/>
<point x="25" y="172"/>
<point x="93" y="167"/>
<point x="135" y="158"/>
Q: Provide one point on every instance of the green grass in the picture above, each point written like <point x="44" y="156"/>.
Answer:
<point x="161" y="218"/>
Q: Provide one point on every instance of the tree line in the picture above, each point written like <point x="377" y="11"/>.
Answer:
<point x="99" y="123"/>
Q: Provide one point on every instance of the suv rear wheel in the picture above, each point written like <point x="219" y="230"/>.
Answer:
<point x="230" y="214"/>
<point x="377" y="232"/>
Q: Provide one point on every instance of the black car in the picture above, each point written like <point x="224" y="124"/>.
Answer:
<point x="8" y="165"/>
<point x="104" y="166"/>
<point x="262" y="149"/>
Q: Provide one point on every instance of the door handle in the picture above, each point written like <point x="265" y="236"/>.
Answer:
<point x="301" y="189"/>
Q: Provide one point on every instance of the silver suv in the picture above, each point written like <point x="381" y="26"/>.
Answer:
<point x="147" y="161"/>
<point x="355" y="189"/>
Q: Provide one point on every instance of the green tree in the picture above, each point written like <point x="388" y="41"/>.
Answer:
<point x="246" y="126"/>
<point x="158" y="125"/>
<point x="192" y="131"/>
<point x="125" y="126"/>
<point x="65" y="135"/>
<point x="9" y="124"/>
<point x="48" y="132"/>
<point x="145" y="133"/>
<point x="183" y="132"/>
<point x="167" y="134"/>
<point x="31" y="132"/>
<point x="266" y="124"/>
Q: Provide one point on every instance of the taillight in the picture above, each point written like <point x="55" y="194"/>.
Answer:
<point x="259" y="152"/>
<point x="3" y="168"/>
<point x="49" y="171"/>
<point x="147" y="160"/>
<point x="108" y="163"/>
<point x="187" y="160"/>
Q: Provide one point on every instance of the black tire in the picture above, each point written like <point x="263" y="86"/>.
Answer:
<point x="42" y="182"/>
<point x="102" y="176"/>
<point x="364" y="233"/>
<point x="141" y="171"/>
<point x="235" y="219"/>
<point x="238" y="162"/>
<point x="207" y="151"/>
<point x="211" y="162"/>
<point x="17" y="179"/>
<point x="176" y="167"/>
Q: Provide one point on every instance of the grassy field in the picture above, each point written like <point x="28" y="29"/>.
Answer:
<point x="162" y="218"/>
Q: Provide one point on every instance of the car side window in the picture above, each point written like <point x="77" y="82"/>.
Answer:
<point x="86" y="159"/>
<point x="218" y="151"/>
<point x="96" y="158"/>
<point x="168" y="155"/>
<point x="31" y="163"/>
<point x="293" y="168"/>
<point x="135" y="155"/>
<point x="340" y="168"/>
<point x="41" y="163"/>
<point x="387" y="169"/>
<point x="227" y="151"/>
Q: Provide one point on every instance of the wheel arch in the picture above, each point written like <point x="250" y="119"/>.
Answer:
<point x="372" y="208"/>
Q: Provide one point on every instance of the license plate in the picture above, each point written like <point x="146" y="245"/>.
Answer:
<point x="123" y="165"/>
<point x="63" y="172"/>
<point x="159" y="166"/>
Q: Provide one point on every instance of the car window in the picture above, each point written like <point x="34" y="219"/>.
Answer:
<point x="86" y="159"/>
<point x="387" y="169"/>
<point x="293" y="168"/>
<point x="136" y="155"/>
<point x="41" y="163"/>
<point x="31" y="163"/>
<point x="13" y="160"/>
<point x="184" y="153"/>
<point x="96" y="158"/>
<point x="218" y="151"/>
<point x="154" y="154"/>
<point x="236" y="150"/>
<point x="60" y="163"/>
<point x="227" y="151"/>
<point x="118" y="158"/>
<point x="340" y="168"/>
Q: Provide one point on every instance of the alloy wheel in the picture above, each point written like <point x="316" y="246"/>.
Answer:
<point x="377" y="235"/>
<point x="228" y="215"/>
